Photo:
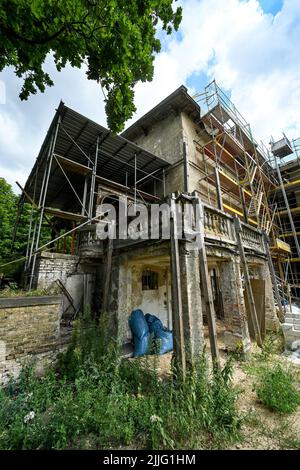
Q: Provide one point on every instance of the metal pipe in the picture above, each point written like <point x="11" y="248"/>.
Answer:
<point x="75" y="143"/>
<point x="93" y="180"/>
<point x="287" y="207"/>
<point x="74" y="191"/>
<point x="84" y="196"/>
<point x="43" y="202"/>
<point x="135" y="181"/>
<point x="39" y="203"/>
<point x="31" y="218"/>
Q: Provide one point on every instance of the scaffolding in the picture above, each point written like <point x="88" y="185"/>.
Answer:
<point x="285" y="159"/>
<point x="240" y="176"/>
<point x="79" y="162"/>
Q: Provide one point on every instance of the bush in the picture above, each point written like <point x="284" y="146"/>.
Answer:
<point x="94" y="399"/>
<point x="276" y="390"/>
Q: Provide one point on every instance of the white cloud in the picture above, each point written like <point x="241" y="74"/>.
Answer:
<point x="23" y="124"/>
<point x="255" y="55"/>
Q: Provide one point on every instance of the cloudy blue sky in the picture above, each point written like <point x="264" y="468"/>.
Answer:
<point x="251" y="47"/>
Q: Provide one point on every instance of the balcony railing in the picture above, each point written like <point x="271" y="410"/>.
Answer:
<point x="218" y="228"/>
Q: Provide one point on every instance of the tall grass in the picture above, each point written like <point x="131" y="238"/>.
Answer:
<point x="94" y="399"/>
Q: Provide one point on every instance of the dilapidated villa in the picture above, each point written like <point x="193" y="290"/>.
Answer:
<point x="187" y="151"/>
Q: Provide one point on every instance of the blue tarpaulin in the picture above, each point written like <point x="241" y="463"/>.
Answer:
<point x="142" y="327"/>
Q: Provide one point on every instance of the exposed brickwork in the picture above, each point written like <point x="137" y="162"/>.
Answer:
<point x="27" y="330"/>
<point x="52" y="266"/>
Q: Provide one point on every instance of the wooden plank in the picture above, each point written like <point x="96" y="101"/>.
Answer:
<point x="258" y="289"/>
<point x="206" y="282"/>
<point x="272" y="272"/>
<point x="74" y="166"/>
<point x="64" y="215"/>
<point x="252" y="308"/>
<point x="179" y="346"/>
<point x="108" y="274"/>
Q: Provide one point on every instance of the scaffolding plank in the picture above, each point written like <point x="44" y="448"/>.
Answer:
<point x="74" y="166"/>
<point x="64" y="215"/>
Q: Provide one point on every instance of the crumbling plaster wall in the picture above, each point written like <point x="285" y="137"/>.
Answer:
<point x="126" y="291"/>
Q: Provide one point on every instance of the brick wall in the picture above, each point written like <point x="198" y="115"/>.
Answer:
<point x="29" y="326"/>
<point x="52" y="266"/>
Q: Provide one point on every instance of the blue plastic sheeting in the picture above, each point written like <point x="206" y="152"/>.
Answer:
<point x="164" y="340"/>
<point x="141" y="334"/>
<point x="154" y="323"/>
<point x="163" y="337"/>
<point x="144" y="326"/>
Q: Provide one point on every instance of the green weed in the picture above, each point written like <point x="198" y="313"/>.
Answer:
<point x="276" y="390"/>
<point x="95" y="399"/>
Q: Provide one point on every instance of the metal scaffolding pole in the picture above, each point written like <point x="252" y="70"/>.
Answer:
<point x="135" y="181"/>
<point x="39" y="205"/>
<point x="43" y="199"/>
<point x="93" y="181"/>
<point x="31" y="219"/>
<point x="287" y="207"/>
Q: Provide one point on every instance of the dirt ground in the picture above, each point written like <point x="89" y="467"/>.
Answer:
<point x="262" y="429"/>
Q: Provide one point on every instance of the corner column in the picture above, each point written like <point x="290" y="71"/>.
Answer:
<point x="236" y="336"/>
<point x="191" y="301"/>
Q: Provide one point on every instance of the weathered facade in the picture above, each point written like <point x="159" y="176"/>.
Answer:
<point x="163" y="157"/>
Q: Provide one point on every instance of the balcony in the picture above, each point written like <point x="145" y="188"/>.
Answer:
<point x="218" y="229"/>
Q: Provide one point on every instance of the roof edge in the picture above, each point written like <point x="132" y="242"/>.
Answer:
<point x="159" y="108"/>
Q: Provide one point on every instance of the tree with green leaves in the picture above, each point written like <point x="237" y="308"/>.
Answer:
<point x="14" y="226"/>
<point x="116" y="39"/>
<point x="8" y="212"/>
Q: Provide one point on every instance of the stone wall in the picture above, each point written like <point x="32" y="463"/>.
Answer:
<point x="261" y="270"/>
<point x="29" y="326"/>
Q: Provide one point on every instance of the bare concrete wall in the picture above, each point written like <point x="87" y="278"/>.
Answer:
<point x="164" y="139"/>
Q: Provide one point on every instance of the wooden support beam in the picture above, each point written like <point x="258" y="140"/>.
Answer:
<point x="272" y="272"/>
<point x="107" y="274"/>
<point x="206" y="282"/>
<point x="177" y="318"/>
<point x="252" y="308"/>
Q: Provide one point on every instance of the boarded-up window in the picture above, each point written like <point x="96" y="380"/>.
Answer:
<point x="149" y="280"/>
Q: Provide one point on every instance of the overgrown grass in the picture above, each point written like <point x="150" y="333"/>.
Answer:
<point x="14" y="291"/>
<point x="94" y="399"/>
<point x="275" y="385"/>
<point x="276" y="390"/>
